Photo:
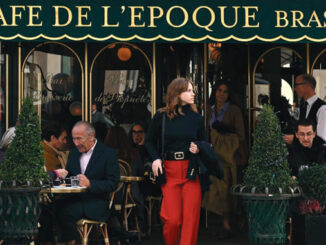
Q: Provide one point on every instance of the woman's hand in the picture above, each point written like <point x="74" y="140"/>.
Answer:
<point x="157" y="166"/>
<point x="193" y="148"/>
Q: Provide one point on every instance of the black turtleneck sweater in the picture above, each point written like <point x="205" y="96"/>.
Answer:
<point x="179" y="132"/>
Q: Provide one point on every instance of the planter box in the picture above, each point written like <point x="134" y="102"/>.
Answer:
<point x="315" y="229"/>
<point x="19" y="212"/>
<point x="266" y="219"/>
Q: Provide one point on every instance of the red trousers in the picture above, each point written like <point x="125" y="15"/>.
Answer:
<point x="181" y="202"/>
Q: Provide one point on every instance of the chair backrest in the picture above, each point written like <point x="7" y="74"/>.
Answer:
<point x="126" y="166"/>
<point x="118" y="193"/>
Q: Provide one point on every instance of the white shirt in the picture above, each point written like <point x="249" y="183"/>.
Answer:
<point x="321" y="117"/>
<point x="84" y="158"/>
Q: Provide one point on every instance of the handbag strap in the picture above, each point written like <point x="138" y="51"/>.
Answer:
<point x="162" y="136"/>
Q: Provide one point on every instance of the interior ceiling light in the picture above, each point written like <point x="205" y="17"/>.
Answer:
<point x="124" y="53"/>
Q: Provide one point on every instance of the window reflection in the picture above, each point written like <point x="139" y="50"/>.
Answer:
<point x="274" y="76"/>
<point x="319" y="72"/>
<point x="121" y="86"/>
<point x="180" y="60"/>
<point x="227" y="62"/>
<point x="2" y="93"/>
<point x="53" y="78"/>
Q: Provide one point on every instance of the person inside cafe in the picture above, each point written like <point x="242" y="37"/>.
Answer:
<point x="311" y="107"/>
<point x="137" y="135"/>
<point x="98" y="116"/>
<point x="117" y="139"/>
<point x="6" y="139"/>
<point x="97" y="169"/>
<point x="308" y="149"/>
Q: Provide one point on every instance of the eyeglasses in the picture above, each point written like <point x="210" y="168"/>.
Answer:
<point x="298" y="84"/>
<point x="138" y="132"/>
<point x="309" y="134"/>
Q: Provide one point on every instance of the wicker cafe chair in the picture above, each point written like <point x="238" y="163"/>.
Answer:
<point x="85" y="226"/>
<point x="290" y="230"/>
<point x="129" y="203"/>
<point x="151" y="200"/>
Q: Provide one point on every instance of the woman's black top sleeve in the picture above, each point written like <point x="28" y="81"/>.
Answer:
<point x="179" y="132"/>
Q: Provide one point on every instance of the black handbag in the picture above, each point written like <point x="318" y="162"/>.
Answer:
<point x="160" y="179"/>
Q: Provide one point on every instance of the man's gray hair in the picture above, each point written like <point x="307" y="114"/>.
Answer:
<point x="88" y="127"/>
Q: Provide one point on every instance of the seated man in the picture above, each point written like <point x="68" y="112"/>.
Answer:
<point x="54" y="139"/>
<point x="307" y="149"/>
<point x="96" y="167"/>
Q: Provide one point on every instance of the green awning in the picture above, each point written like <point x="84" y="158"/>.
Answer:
<point x="164" y="20"/>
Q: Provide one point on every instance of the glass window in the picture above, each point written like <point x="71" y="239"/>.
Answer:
<point x="121" y="86"/>
<point x="3" y="76"/>
<point x="274" y="84"/>
<point x="319" y="72"/>
<point x="53" y="78"/>
<point x="180" y="60"/>
<point x="228" y="63"/>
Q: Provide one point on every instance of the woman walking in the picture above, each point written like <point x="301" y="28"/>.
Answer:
<point x="227" y="135"/>
<point x="183" y="126"/>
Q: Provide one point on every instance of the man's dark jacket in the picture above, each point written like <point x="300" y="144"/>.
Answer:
<point x="300" y="155"/>
<point x="104" y="175"/>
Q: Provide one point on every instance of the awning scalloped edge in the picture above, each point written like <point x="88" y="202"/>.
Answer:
<point x="161" y="37"/>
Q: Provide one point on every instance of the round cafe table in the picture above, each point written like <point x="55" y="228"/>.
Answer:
<point x="63" y="190"/>
<point x="58" y="190"/>
<point x="131" y="178"/>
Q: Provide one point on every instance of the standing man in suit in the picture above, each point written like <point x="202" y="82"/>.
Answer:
<point x="96" y="167"/>
<point x="313" y="107"/>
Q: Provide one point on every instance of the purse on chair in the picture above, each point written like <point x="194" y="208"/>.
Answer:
<point x="160" y="179"/>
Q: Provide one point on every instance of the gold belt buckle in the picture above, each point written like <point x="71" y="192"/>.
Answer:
<point x="179" y="155"/>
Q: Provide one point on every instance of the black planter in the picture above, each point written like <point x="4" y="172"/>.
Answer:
<point x="315" y="229"/>
<point x="19" y="212"/>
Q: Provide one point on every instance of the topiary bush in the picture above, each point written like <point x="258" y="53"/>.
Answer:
<point x="268" y="165"/>
<point x="24" y="162"/>
<point x="312" y="181"/>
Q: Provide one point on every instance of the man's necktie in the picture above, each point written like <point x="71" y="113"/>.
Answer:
<point x="303" y="110"/>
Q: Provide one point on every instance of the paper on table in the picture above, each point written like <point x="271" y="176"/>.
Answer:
<point x="68" y="187"/>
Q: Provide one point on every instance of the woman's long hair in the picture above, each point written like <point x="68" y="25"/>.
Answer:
<point x="173" y="102"/>
<point x="117" y="139"/>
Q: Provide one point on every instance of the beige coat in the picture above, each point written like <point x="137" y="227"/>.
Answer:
<point x="231" y="148"/>
<point x="233" y="119"/>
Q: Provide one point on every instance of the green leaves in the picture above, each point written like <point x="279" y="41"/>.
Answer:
<point x="313" y="182"/>
<point x="24" y="158"/>
<point x="268" y="166"/>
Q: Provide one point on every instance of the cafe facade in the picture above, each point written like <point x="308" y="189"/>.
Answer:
<point x="121" y="55"/>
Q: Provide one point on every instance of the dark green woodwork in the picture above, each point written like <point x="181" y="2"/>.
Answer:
<point x="19" y="212"/>
<point x="267" y="219"/>
<point x="164" y="20"/>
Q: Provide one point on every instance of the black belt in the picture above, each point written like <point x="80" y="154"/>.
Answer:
<point x="176" y="155"/>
